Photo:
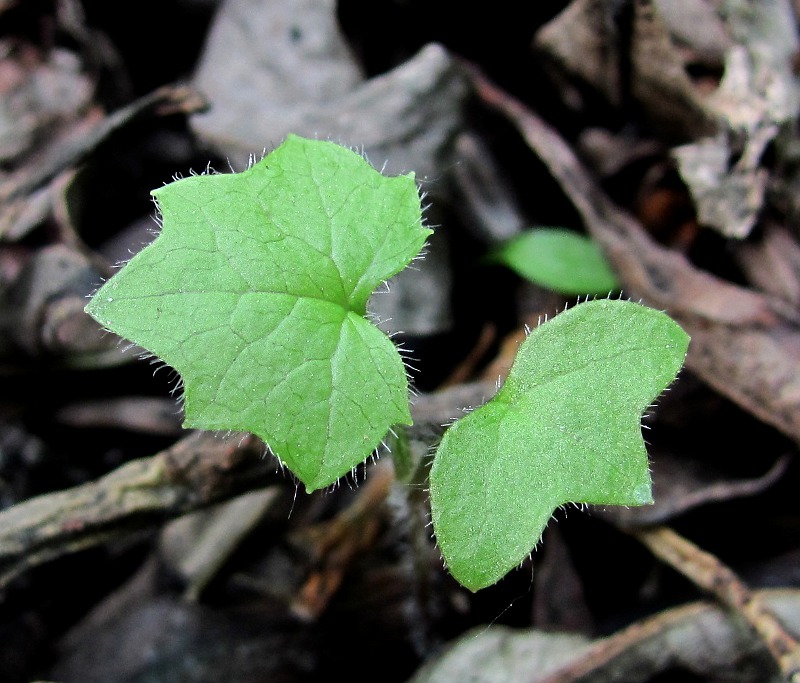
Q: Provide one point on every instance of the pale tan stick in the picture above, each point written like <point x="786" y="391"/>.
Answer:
<point x="707" y="572"/>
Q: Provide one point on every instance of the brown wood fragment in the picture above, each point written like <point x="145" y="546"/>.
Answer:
<point x="88" y="134"/>
<point x="335" y="544"/>
<point x="143" y="414"/>
<point x="773" y="262"/>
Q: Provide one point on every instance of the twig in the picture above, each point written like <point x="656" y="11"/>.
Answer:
<point x="200" y="469"/>
<point x="707" y="572"/>
<point x="335" y="544"/>
<point x="679" y="639"/>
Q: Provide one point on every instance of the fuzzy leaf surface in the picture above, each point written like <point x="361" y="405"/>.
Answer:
<point x="255" y="291"/>
<point x="565" y="427"/>
<point x="559" y="259"/>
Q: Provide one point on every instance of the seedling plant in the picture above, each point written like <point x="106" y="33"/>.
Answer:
<point x="256" y="292"/>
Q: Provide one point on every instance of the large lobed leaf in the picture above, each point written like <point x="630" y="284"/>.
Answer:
<point x="256" y="290"/>
<point x="565" y="427"/>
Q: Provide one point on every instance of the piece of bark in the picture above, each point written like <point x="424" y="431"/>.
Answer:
<point x="583" y="40"/>
<point x="625" y="51"/>
<point x="295" y="74"/>
<point x="696" y="27"/>
<point x="483" y="197"/>
<point x="700" y="638"/>
<point x="658" y="80"/>
<point x="772" y="262"/>
<point x="196" y="546"/>
<point x="76" y="146"/>
<point x="332" y="546"/>
<point x="292" y="62"/>
<point x="757" y="97"/>
<point x="559" y="602"/>
<point x="40" y="93"/>
<point x="157" y="416"/>
<point x="43" y="309"/>
<point x="169" y="640"/>
<point x="499" y="654"/>
<point x="729" y="198"/>
<point x="637" y="55"/>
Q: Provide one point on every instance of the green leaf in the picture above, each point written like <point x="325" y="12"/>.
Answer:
<point x="255" y="292"/>
<point x="560" y="260"/>
<point x="565" y="427"/>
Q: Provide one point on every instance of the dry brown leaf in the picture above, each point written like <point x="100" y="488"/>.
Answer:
<point x="680" y="485"/>
<point x="772" y="262"/>
<point x="626" y="57"/>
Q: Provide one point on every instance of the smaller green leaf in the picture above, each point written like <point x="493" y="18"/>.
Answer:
<point x="559" y="259"/>
<point x="565" y="427"/>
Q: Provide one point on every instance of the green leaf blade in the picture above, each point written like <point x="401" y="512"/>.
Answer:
<point x="565" y="427"/>
<point x="559" y="259"/>
<point x="255" y="292"/>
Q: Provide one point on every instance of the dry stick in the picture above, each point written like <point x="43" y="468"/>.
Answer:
<point x="335" y="544"/>
<point x="707" y="572"/>
<point x="676" y="639"/>
<point x="199" y="470"/>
